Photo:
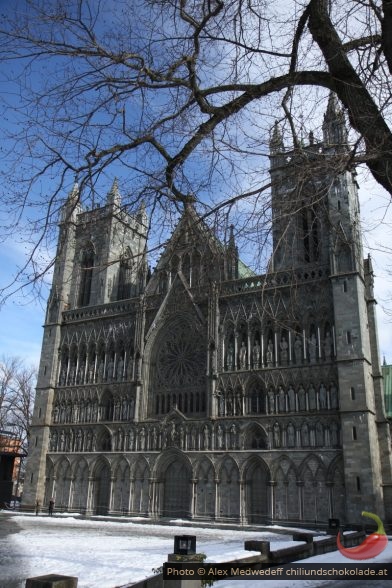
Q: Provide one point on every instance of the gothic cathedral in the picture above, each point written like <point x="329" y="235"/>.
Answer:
<point x="205" y="391"/>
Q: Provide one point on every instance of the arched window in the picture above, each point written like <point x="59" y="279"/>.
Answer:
<point x="86" y="275"/>
<point x="310" y="233"/>
<point x="125" y="277"/>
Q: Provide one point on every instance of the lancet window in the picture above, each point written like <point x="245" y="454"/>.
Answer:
<point x="124" y="289"/>
<point x="86" y="275"/>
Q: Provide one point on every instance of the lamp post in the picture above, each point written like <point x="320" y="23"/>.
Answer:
<point x="184" y="552"/>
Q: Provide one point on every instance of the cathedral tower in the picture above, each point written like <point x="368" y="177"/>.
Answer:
<point x="208" y="391"/>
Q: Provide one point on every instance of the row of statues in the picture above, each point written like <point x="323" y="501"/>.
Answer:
<point x="79" y="371"/>
<point x="305" y="435"/>
<point x="278" y="401"/>
<point x="196" y="438"/>
<point x="300" y="353"/>
<point x="118" y="408"/>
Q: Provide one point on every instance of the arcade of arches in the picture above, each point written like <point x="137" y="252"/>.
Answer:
<point x="241" y="488"/>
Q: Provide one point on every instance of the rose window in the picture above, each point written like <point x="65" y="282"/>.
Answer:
<point x="180" y="359"/>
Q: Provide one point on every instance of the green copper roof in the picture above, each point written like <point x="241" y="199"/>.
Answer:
<point x="387" y="375"/>
<point x="244" y="271"/>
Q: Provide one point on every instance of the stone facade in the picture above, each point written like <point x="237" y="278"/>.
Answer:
<point x="204" y="390"/>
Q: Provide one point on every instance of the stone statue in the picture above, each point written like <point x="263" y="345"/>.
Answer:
<point x="284" y="355"/>
<point x="53" y="441"/>
<point x="334" y="396"/>
<point x="63" y="377"/>
<point x="281" y="400"/>
<point x="270" y="353"/>
<point x="271" y="401"/>
<point x="312" y="398"/>
<point x="276" y="432"/>
<point x="230" y="357"/>
<point x="291" y="399"/>
<point x="220" y="437"/>
<point x="110" y="370"/>
<point x="305" y="436"/>
<point x="233" y="436"/>
<point x="323" y="397"/>
<point x="242" y="355"/>
<point x="301" y="398"/>
<point x="298" y="349"/>
<point x="100" y="370"/>
<point x="131" y="439"/>
<point x="319" y="435"/>
<point x="142" y="438"/>
<point x="312" y="348"/>
<point x="290" y="435"/>
<point x="221" y="404"/>
<point x="256" y="354"/>
<point x="120" y="369"/>
<point x="89" y="440"/>
<point x="206" y="435"/>
<point x="328" y="345"/>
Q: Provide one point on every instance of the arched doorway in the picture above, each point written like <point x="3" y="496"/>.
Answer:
<point x="177" y="490"/>
<point x="205" y="490"/>
<point x="102" y="489"/>
<point x="257" y="503"/>
<point x="229" y="490"/>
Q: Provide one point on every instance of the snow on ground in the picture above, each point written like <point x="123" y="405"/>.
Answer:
<point x="333" y="557"/>
<point x="105" y="554"/>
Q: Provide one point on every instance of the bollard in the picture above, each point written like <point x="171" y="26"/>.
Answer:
<point x="184" y="552"/>
<point x="52" y="581"/>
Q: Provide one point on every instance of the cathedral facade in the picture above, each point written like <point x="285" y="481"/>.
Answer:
<point x="206" y="391"/>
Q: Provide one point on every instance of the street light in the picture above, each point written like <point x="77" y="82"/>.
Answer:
<point x="185" y="544"/>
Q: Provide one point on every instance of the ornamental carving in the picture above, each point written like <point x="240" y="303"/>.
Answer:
<point x="180" y="357"/>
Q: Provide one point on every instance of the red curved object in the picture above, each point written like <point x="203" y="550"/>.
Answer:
<point x="373" y="545"/>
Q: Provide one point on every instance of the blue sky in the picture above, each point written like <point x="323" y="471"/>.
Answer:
<point x="21" y="316"/>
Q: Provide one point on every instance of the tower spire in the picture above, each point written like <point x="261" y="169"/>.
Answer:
<point x="114" y="197"/>
<point x="334" y="125"/>
<point x="276" y="141"/>
<point x="72" y="206"/>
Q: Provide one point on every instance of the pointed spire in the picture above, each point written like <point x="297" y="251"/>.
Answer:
<point x="113" y="196"/>
<point x="141" y="215"/>
<point x="334" y="125"/>
<point x="231" y="237"/>
<point x="276" y="141"/>
<point x="384" y="361"/>
<point x="72" y="205"/>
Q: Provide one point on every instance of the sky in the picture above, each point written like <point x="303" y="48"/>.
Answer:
<point x="105" y="554"/>
<point x="22" y="316"/>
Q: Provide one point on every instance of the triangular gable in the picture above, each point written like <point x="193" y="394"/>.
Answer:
<point x="171" y="305"/>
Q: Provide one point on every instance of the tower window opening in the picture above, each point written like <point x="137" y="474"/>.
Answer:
<point x="345" y="286"/>
<point x="354" y="433"/>
<point x="310" y="232"/>
<point x="352" y="391"/>
<point x="124" y="280"/>
<point x="358" y="484"/>
<point x="86" y="276"/>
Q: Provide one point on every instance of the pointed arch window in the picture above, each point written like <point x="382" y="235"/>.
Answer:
<point x="86" y="275"/>
<point x="125" y="277"/>
<point x="310" y="234"/>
